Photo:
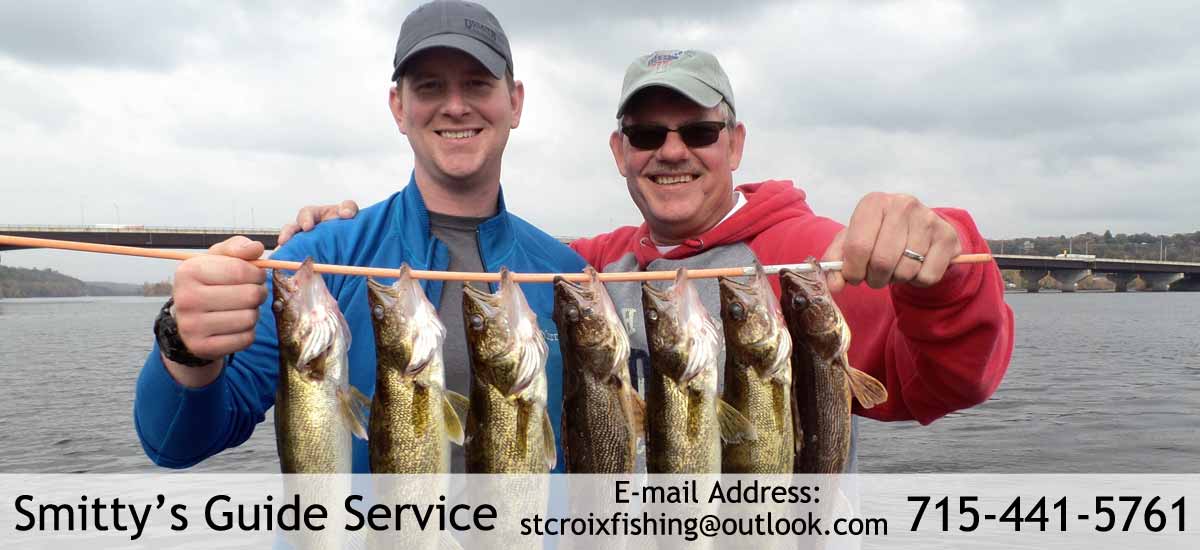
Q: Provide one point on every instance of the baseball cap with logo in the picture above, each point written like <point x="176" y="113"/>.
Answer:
<point x="464" y="26"/>
<point x="694" y="73"/>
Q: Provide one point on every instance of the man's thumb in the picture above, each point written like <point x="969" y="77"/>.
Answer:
<point x="832" y="254"/>
<point x="238" y="247"/>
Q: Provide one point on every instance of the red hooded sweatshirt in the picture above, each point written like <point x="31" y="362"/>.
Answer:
<point x="937" y="349"/>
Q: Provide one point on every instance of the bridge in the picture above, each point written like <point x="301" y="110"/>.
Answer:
<point x="1066" y="270"/>
<point x="144" y="236"/>
<point x="1069" y="269"/>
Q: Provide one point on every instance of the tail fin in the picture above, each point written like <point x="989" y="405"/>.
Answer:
<point x="866" y="388"/>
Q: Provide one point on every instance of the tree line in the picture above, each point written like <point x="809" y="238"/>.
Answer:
<point x="19" y="282"/>
<point x="1180" y="247"/>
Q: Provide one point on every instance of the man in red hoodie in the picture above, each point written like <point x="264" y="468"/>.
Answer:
<point x="939" y="336"/>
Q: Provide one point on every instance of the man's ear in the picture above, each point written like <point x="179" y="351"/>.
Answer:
<point x="397" y="107"/>
<point x="737" y="142"/>
<point x="616" y="142"/>
<point x="517" y="97"/>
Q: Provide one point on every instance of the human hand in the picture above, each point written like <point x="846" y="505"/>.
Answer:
<point x="216" y="305"/>
<point x="872" y="246"/>
<point x="310" y="216"/>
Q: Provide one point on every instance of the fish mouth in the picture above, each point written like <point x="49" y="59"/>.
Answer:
<point x="480" y="301"/>
<point x="284" y="286"/>
<point x="737" y="288"/>
<point x="287" y="286"/>
<point x="659" y="299"/>
<point x="733" y="292"/>
<point x="474" y="293"/>
<point x="378" y="287"/>
<point x="805" y="280"/>
<point x="381" y="294"/>
<point x="572" y="290"/>
<point x="663" y="295"/>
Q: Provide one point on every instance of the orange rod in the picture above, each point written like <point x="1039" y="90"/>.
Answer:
<point x="28" y="242"/>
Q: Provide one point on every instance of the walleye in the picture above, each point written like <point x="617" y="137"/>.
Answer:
<point x="413" y="416"/>
<point x="602" y="413"/>
<point x="508" y="427"/>
<point x="316" y="409"/>
<point x="685" y="419"/>
<point x="758" y="375"/>
<point x="824" y="379"/>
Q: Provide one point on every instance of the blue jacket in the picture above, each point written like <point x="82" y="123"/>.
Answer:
<point x="178" y="427"/>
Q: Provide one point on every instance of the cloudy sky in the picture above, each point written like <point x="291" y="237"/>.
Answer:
<point x="1038" y="117"/>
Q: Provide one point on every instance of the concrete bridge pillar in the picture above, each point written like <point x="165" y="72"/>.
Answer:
<point x="1188" y="283"/>
<point x="1068" y="277"/>
<point x="1121" y="280"/>
<point x="1160" y="282"/>
<point x="1030" y="279"/>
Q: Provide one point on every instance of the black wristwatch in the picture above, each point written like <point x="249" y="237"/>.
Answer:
<point x="170" y="343"/>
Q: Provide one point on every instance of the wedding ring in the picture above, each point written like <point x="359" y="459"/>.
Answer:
<point x="908" y="253"/>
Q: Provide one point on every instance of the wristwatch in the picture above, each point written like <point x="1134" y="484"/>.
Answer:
<point x="169" y="342"/>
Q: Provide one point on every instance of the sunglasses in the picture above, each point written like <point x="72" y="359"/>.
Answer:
<point x="693" y="134"/>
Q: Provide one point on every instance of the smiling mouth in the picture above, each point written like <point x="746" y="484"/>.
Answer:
<point x="674" y="179"/>
<point x="458" y="134"/>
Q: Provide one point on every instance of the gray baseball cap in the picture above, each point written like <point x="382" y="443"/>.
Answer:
<point x="694" y="73"/>
<point x="464" y="26"/>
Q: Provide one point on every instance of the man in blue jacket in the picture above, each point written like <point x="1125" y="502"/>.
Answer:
<point x="212" y="374"/>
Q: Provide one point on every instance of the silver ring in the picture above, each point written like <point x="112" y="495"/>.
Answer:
<point x="908" y="253"/>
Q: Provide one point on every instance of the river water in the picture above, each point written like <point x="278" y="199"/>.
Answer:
<point x="1099" y="382"/>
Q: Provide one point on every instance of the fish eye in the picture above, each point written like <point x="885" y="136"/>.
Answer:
<point x="377" y="311"/>
<point x="651" y="315"/>
<point x="277" y="306"/>
<point x="587" y="311"/>
<point x="476" y="322"/>
<point x="573" y="314"/>
<point x="737" y="311"/>
<point x="799" y="302"/>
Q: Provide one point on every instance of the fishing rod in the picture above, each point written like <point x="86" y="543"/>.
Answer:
<point x="626" y="276"/>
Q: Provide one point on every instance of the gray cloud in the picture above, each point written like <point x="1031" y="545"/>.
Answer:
<point x="27" y="101"/>
<point x="146" y="35"/>
<point x="1039" y="118"/>
<point x="142" y="34"/>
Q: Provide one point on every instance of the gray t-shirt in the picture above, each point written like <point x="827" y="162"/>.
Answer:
<point x="461" y="238"/>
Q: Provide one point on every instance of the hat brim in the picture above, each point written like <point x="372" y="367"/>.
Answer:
<point x="484" y="54"/>
<point x="692" y="88"/>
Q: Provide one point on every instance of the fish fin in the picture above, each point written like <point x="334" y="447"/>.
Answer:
<point x="548" y="441"/>
<point x="735" y="427"/>
<point x="780" y="370"/>
<point x="460" y="403"/>
<point x="866" y="388"/>
<point x="352" y="411"/>
<point x="361" y="399"/>
<point x="639" y="413"/>
<point x="454" y="423"/>
<point x="430" y="333"/>
<point x="533" y="360"/>
<point x="317" y="335"/>
<point x="704" y="345"/>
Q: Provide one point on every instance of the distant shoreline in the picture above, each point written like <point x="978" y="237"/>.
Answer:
<point x="20" y="282"/>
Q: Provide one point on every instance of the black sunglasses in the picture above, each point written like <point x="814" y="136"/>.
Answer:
<point x="693" y="134"/>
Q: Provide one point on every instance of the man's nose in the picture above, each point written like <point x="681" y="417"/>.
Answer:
<point x="456" y="104"/>
<point x="673" y="149"/>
